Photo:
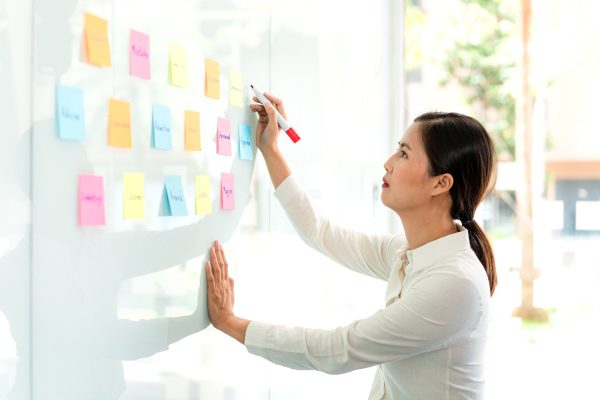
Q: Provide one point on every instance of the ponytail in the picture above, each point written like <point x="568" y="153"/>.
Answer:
<point x="483" y="250"/>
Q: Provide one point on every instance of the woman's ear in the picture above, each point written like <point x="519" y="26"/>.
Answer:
<point x="442" y="184"/>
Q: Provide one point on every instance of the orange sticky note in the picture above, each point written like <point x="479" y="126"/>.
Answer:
<point x="212" y="87"/>
<point x="119" y="123"/>
<point x="96" y="46"/>
<point x="192" y="131"/>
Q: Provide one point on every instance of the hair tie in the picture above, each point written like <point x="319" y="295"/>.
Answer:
<point x="467" y="222"/>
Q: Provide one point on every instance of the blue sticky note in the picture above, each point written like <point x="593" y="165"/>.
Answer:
<point x="69" y="113"/>
<point x="162" y="137"/>
<point x="175" y="195"/>
<point x="245" y="142"/>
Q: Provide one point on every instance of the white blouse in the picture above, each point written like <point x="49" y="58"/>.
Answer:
<point x="428" y="341"/>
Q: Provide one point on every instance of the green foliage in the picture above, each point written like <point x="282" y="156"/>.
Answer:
<point x="480" y="55"/>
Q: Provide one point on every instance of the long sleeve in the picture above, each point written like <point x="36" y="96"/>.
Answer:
<point x="424" y="320"/>
<point x="371" y="255"/>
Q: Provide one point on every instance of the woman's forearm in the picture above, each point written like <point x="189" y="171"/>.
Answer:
<point x="277" y="166"/>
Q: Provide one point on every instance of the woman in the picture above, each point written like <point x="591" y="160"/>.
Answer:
<point x="428" y="341"/>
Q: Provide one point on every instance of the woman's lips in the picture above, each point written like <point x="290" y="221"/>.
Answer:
<point x="385" y="184"/>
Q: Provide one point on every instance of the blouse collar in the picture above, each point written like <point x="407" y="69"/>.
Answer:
<point x="438" y="249"/>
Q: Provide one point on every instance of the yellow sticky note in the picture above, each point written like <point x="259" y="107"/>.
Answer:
<point x="97" y="49"/>
<point x="119" y="123"/>
<point x="203" y="205"/>
<point x="235" y="88"/>
<point x="192" y="131"/>
<point x="133" y="196"/>
<point x="178" y="68"/>
<point x="212" y="87"/>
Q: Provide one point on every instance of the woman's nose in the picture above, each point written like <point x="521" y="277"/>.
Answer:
<point x="386" y="166"/>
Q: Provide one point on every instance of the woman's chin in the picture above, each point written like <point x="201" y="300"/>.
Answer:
<point x="384" y="200"/>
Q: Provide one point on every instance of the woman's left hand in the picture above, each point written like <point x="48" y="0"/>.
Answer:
<point x="220" y="288"/>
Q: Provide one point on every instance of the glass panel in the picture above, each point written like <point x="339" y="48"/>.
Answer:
<point x="15" y="198"/>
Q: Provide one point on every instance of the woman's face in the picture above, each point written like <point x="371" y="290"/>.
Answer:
<point x="407" y="184"/>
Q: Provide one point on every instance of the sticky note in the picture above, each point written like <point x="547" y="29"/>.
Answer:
<point x="178" y="68"/>
<point x="175" y="196"/>
<point x="162" y="136"/>
<point x="192" y="130"/>
<point x="119" y="123"/>
<point x="244" y="142"/>
<point x="139" y="54"/>
<point x="133" y="196"/>
<point x="96" y="46"/>
<point x="203" y="204"/>
<point x="227" y="192"/>
<point x="212" y="87"/>
<point x="223" y="137"/>
<point x="90" y="200"/>
<point x="235" y="88"/>
<point x="70" y="117"/>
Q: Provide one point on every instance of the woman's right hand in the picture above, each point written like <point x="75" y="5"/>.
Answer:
<point x="267" y="129"/>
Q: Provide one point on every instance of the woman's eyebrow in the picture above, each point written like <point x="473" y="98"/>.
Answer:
<point x="403" y="144"/>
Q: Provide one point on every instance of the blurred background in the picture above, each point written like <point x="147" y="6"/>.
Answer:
<point x="353" y="75"/>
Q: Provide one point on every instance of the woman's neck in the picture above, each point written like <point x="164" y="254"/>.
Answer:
<point x="424" y="227"/>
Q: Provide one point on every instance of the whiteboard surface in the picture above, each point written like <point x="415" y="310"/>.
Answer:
<point x="79" y="339"/>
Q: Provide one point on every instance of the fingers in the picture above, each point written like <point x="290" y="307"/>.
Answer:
<point x="275" y="101"/>
<point x="278" y="103"/>
<point x="263" y="117"/>
<point x="259" y="108"/>
<point x="222" y="260"/>
<point x="216" y="266"/>
<point x="272" y="118"/>
<point x="209" y="275"/>
<point x="218" y="263"/>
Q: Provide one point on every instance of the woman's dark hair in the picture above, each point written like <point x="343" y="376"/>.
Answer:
<point x="460" y="146"/>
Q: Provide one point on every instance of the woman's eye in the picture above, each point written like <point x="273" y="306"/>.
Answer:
<point x="403" y="154"/>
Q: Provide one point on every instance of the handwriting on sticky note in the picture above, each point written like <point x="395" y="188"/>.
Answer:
<point x="212" y="86"/>
<point x="223" y="137"/>
<point x="119" y="123"/>
<point x="245" y="142"/>
<point x="97" y="48"/>
<point x="133" y="196"/>
<point x="175" y="195"/>
<point x="203" y="200"/>
<point x="139" y="54"/>
<point x="192" y="131"/>
<point x="178" y="67"/>
<point x="235" y="88"/>
<point x="90" y="200"/>
<point x="227" y="192"/>
<point x="69" y="113"/>
<point x="162" y="137"/>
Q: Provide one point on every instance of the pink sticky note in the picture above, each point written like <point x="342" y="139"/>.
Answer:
<point x="139" y="54"/>
<point x="90" y="200"/>
<point x="227" y="192"/>
<point x="223" y="137"/>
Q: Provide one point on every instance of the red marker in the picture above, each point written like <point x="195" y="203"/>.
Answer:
<point x="282" y="122"/>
